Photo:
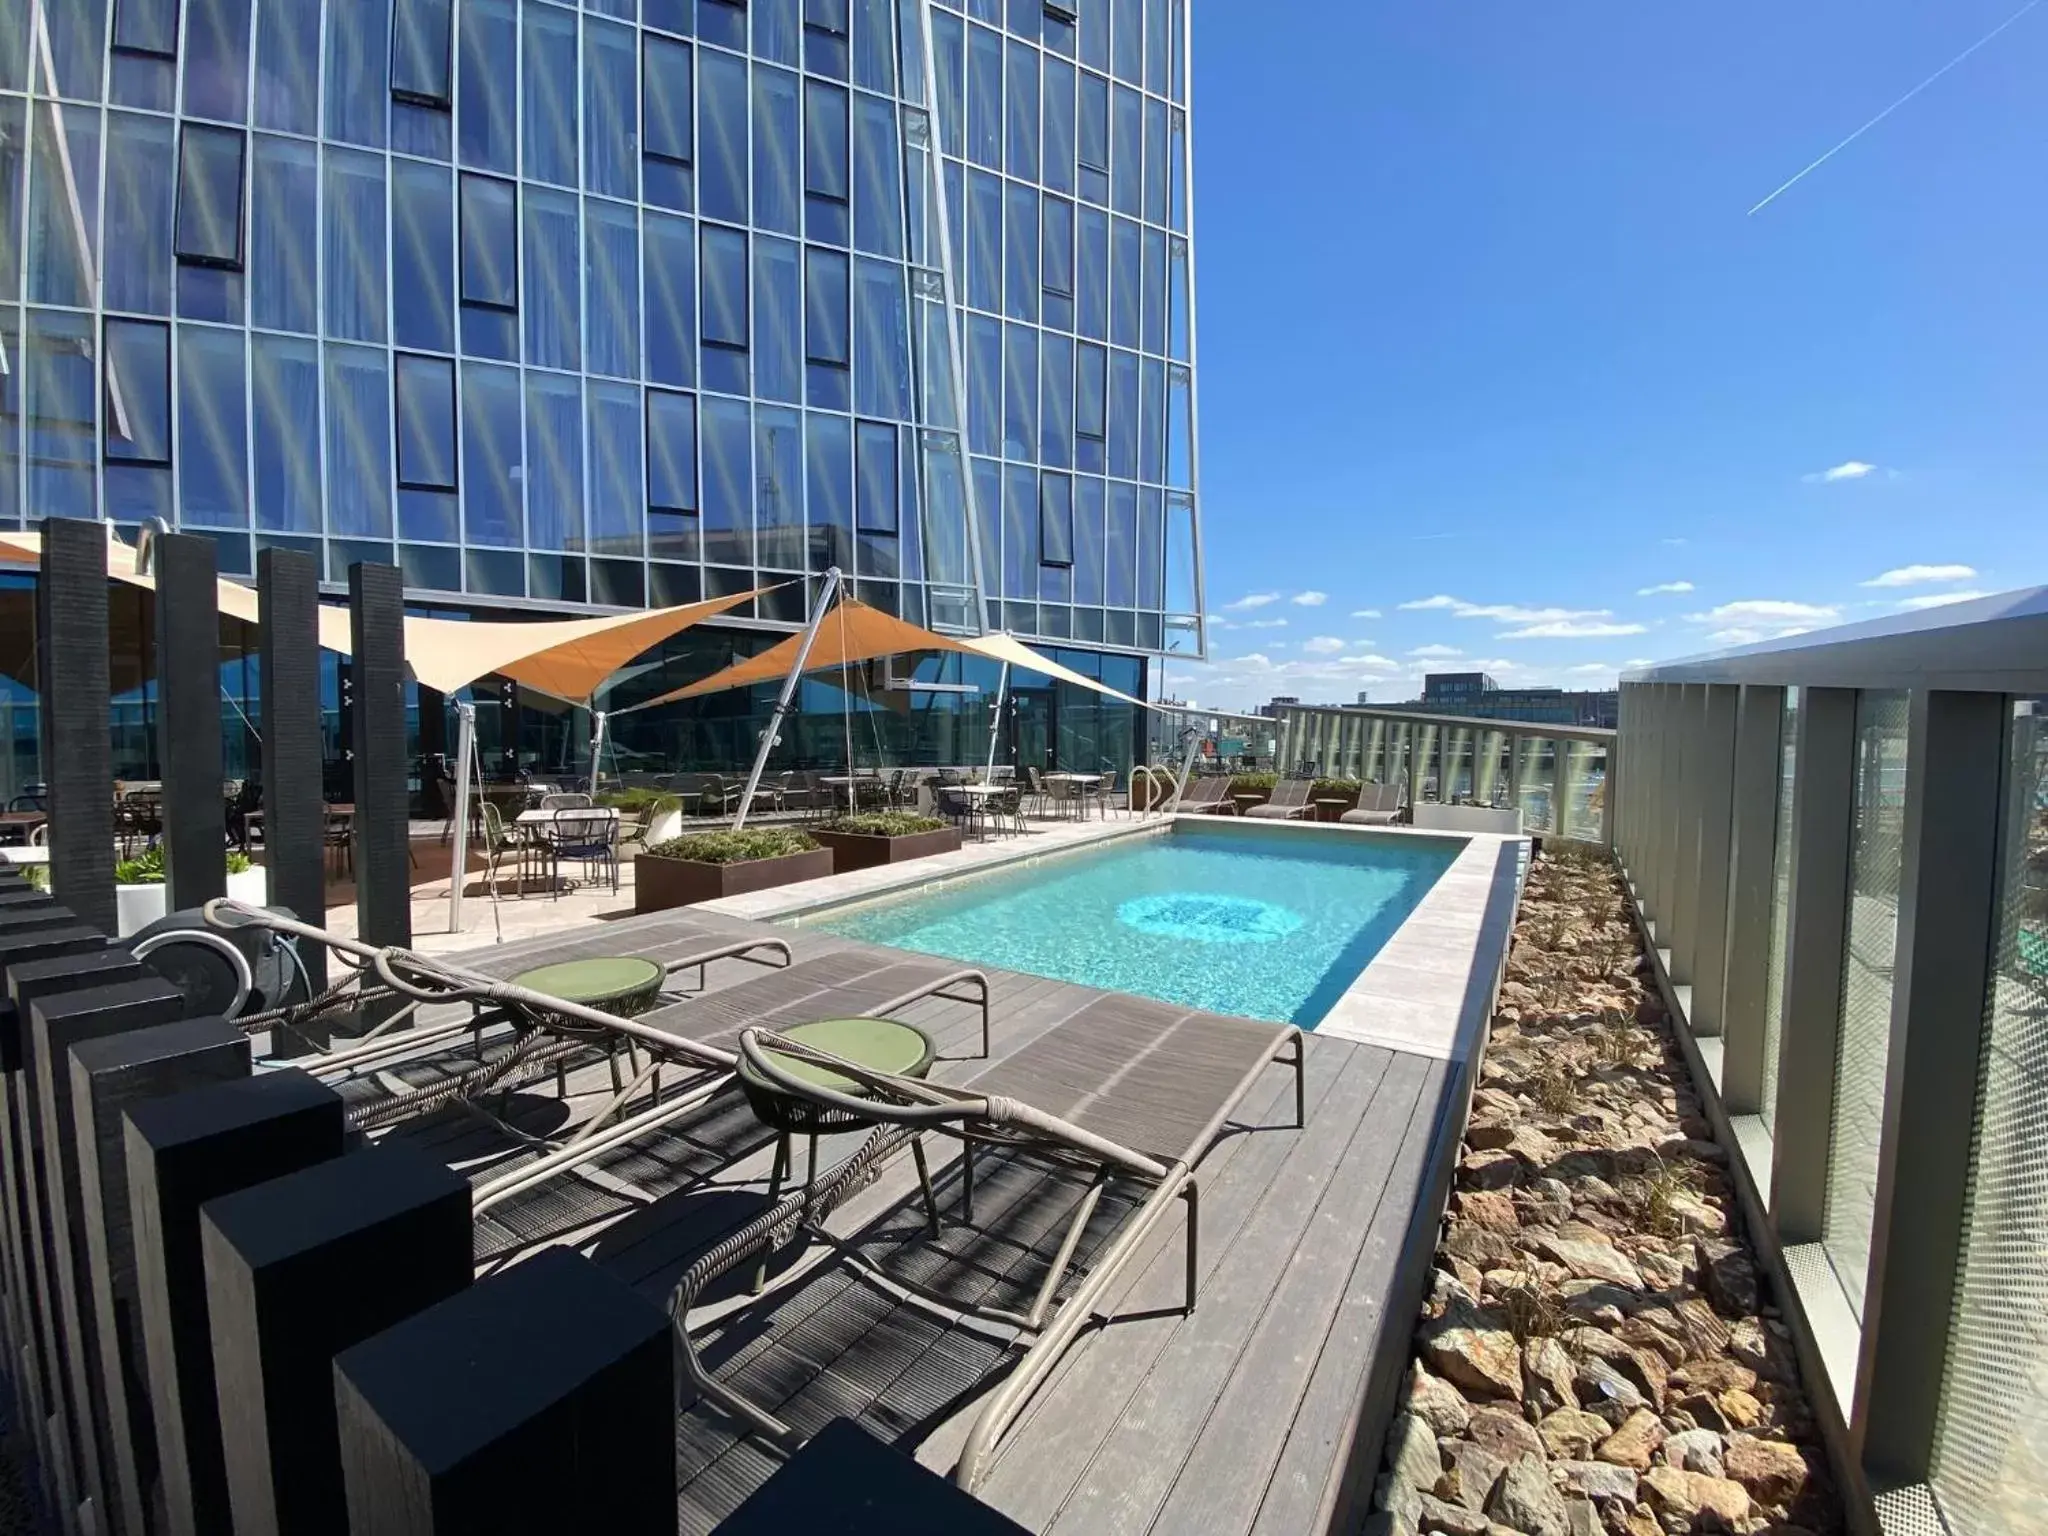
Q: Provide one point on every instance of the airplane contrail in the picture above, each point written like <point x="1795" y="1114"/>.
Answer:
<point x="1888" y="111"/>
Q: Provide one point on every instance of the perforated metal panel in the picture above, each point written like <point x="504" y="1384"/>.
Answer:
<point x="1863" y="1039"/>
<point x="1781" y="907"/>
<point x="1991" y="1458"/>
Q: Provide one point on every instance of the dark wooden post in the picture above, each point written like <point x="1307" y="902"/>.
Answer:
<point x="73" y="681"/>
<point x="297" y="1270"/>
<point x="541" y="1399"/>
<point x="188" y="719"/>
<point x="182" y="1152"/>
<point x="106" y="1076"/>
<point x="376" y="601"/>
<point x="294" y="821"/>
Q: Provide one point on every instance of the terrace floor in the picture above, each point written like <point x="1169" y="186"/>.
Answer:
<point x="1259" y="1412"/>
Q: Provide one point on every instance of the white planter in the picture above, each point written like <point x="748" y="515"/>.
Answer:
<point x="137" y="906"/>
<point x="1467" y="818"/>
<point x="663" y="827"/>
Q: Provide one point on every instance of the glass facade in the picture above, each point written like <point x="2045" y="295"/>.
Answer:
<point x="625" y="304"/>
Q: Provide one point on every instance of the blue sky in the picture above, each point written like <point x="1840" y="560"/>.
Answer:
<point x="1483" y="324"/>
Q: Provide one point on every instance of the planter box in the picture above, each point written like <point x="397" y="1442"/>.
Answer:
<point x="1430" y="817"/>
<point x="861" y="850"/>
<point x="137" y="906"/>
<point x="659" y="884"/>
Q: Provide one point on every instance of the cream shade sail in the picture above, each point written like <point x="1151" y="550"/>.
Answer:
<point x="569" y="659"/>
<point x="853" y="633"/>
<point x="235" y="600"/>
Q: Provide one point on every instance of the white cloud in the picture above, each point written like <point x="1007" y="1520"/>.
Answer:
<point x="1254" y="600"/>
<point x="1662" y="587"/>
<point x="1365" y="613"/>
<point x="1255" y="659"/>
<point x="1374" y="661"/>
<point x="1572" y="629"/>
<point x="1921" y="575"/>
<point x="1592" y="669"/>
<point x="1267" y="624"/>
<point x="1752" y="611"/>
<point x="1746" y="634"/>
<point x="1323" y="645"/>
<point x="1939" y="599"/>
<point x="1853" y="469"/>
<point x="1310" y="599"/>
<point x="1506" y="613"/>
<point x="1435" y="652"/>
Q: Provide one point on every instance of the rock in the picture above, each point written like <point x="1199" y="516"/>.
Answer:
<point x="1680" y="1148"/>
<point x="1547" y="1375"/>
<point x="1490" y="1138"/>
<point x="1704" y="1411"/>
<point x="1714" y="1375"/>
<point x="1491" y="1101"/>
<point x="1585" y="1521"/>
<point x="1479" y="1245"/>
<point x="1489" y="1170"/>
<point x="1688" y="1495"/>
<point x="1526" y="1501"/>
<point x="1655" y="1329"/>
<point x="1507" y="1435"/>
<point x="1468" y="1348"/>
<point x="1728" y="1277"/>
<point x="1451" y="1519"/>
<point x="1382" y="1522"/>
<point x="1597" y="1301"/>
<point x="1412" y="1456"/>
<point x="1572" y="1433"/>
<point x="1740" y="1408"/>
<point x="1474" y="1471"/>
<point x="1596" y="1479"/>
<point x="1489" y="1209"/>
<point x="1695" y="1450"/>
<point x="1696" y="1215"/>
<point x="1441" y="1406"/>
<point x="1750" y="1343"/>
<point x="1776" y="1473"/>
<point x="1640" y="1434"/>
<point x="1661" y="1271"/>
<point x="1704" y="1333"/>
<point x="1532" y="1146"/>
<point x="1605" y="1391"/>
<point x="1644" y="1369"/>
<point x="1399" y="1500"/>
<point x="1588" y="1255"/>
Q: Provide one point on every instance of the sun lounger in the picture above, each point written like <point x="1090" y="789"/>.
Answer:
<point x="1127" y="1090"/>
<point x="1378" y="805"/>
<point x="1209" y="796"/>
<point x="1290" y="799"/>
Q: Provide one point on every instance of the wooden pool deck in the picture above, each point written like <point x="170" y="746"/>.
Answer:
<point x="1261" y="1411"/>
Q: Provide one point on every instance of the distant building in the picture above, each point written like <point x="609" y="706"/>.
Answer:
<point x="1477" y="695"/>
<point x="1271" y="709"/>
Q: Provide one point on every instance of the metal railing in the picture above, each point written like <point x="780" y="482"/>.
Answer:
<point x="1838" y="845"/>
<point x="1558" y="776"/>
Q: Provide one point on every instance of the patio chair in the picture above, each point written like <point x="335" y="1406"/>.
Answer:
<point x="1378" y="805"/>
<point x="1006" y="810"/>
<point x="902" y="790"/>
<point x="1127" y="1092"/>
<point x="1209" y="796"/>
<point x="1290" y="799"/>
<point x="566" y="800"/>
<point x="590" y="838"/>
<point x="1035" y="791"/>
<point x="1101" y="793"/>
<point x="501" y="842"/>
<point x="964" y="810"/>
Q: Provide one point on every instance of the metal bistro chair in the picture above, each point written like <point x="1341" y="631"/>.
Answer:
<point x="501" y="842"/>
<point x="1036" y="792"/>
<point x="1102" y="793"/>
<point x="572" y="800"/>
<point x="591" y="838"/>
<point x="1006" y="809"/>
<point x="965" y="811"/>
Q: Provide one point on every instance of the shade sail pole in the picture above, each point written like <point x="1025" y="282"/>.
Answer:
<point x="597" y="723"/>
<point x="458" y="839"/>
<point x="773" y="731"/>
<point x="995" y="724"/>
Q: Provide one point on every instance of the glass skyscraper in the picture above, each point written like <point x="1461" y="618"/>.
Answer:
<point x="630" y="304"/>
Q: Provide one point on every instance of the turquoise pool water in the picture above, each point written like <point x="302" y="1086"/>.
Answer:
<point x="1266" y="926"/>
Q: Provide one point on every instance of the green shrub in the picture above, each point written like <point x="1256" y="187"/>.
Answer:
<point x="37" y="875"/>
<point x="886" y="824"/>
<point x="1253" y="783"/>
<point x="1335" y="789"/>
<point x="148" y="869"/>
<point x="735" y="847"/>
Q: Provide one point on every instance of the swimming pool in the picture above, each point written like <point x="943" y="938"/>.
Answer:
<point x="1267" y="925"/>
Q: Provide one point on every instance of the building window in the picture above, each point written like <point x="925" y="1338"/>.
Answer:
<point x="209" y="221"/>
<point x="137" y="357"/>
<point x="1091" y="389"/>
<point x="724" y="305"/>
<point x="825" y="168"/>
<point x="490" y="242"/>
<point x="1094" y="138"/>
<point x="723" y="22"/>
<point x="423" y="393"/>
<point x="825" y="37"/>
<point x="666" y="115"/>
<point x="825" y="309"/>
<point x="422" y="34"/>
<point x="875" y="491"/>
<point x="147" y="27"/>
<point x="671" y="453"/>
<point x="1055" y="519"/>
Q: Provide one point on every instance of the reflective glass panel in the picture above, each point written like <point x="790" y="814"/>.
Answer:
<point x="213" y="429"/>
<point x="778" y="146"/>
<point x="549" y="41"/>
<point x="554" y="459"/>
<point x="611" y="109"/>
<point x="423" y="255"/>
